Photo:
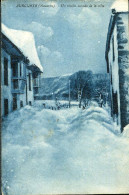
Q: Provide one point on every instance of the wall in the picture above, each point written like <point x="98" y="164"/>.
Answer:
<point x="6" y="90"/>
<point x="114" y="77"/>
<point x="123" y="51"/>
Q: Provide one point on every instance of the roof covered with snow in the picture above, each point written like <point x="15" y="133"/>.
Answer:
<point x="118" y="7"/>
<point x="25" y="43"/>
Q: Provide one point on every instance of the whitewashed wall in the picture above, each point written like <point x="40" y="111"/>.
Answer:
<point x="30" y="94"/>
<point x="6" y="90"/>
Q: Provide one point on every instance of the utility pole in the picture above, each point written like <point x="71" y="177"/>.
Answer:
<point x="69" y="93"/>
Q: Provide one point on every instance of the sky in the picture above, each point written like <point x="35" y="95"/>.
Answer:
<point x="68" y="35"/>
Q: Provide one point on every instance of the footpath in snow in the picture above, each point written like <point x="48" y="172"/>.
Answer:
<point x="64" y="151"/>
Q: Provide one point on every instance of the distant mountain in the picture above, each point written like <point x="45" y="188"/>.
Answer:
<point x="59" y="86"/>
<point x="53" y="87"/>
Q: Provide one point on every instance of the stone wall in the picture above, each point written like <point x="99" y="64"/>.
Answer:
<point x="123" y="60"/>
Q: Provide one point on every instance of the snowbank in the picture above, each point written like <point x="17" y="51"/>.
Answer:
<point x="25" y="42"/>
<point x="65" y="151"/>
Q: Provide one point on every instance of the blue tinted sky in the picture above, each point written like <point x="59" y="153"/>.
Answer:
<point x="67" y="39"/>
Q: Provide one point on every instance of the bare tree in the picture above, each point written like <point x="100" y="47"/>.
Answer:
<point x="83" y="86"/>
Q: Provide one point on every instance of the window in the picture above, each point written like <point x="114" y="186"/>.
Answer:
<point x="29" y="82"/>
<point x="20" y="69"/>
<point x="14" y="69"/>
<point x="5" y="106"/>
<point x="21" y="104"/>
<point x="15" y="84"/>
<point x="113" y="50"/>
<point x="111" y="74"/>
<point x="23" y="70"/>
<point x="107" y="65"/>
<point x="115" y="103"/>
<point x="5" y="71"/>
<point x="36" y="90"/>
<point x="30" y="103"/>
<point x="34" y="82"/>
<point x="111" y="78"/>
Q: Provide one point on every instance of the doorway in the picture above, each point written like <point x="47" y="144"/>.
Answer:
<point x="5" y="106"/>
<point x="14" y="102"/>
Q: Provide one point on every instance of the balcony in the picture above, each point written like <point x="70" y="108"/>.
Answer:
<point x="17" y="91"/>
<point x="18" y="85"/>
<point x="36" y="83"/>
<point x="18" y="79"/>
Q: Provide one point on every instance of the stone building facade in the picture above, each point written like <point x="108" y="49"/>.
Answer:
<point x="117" y="58"/>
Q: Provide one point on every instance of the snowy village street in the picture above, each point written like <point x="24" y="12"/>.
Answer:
<point x="61" y="151"/>
<point x="64" y="97"/>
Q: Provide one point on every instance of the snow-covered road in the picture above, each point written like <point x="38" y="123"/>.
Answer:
<point x="63" y="151"/>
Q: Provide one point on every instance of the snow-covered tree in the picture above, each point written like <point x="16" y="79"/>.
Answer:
<point x="82" y="86"/>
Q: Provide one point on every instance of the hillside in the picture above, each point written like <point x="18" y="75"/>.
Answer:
<point x="54" y="86"/>
<point x="59" y="86"/>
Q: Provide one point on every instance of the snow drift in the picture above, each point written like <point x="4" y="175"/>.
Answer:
<point x="66" y="151"/>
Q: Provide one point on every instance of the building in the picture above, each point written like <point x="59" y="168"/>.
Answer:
<point x="20" y="70"/>
<point x="117" y="58"/>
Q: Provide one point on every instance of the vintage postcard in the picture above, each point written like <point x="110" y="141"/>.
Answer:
<point x="65" y="97"/>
